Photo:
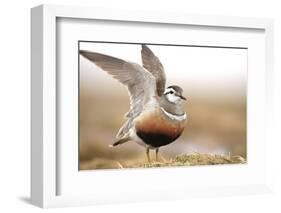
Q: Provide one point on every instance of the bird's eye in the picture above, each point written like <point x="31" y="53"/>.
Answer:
<point x="171" y="92"/>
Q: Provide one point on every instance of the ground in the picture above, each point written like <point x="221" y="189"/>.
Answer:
<point x="194" y="159"/>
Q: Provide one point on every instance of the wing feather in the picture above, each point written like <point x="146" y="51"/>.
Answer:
<point x="140" y="83"/>
<point x="153" y="65"/>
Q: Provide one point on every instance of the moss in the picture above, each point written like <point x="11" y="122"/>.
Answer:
<point x="195" y="159"/>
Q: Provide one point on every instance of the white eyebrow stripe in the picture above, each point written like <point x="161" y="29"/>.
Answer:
<point x="169" y="90"/>
<point x="174" y="117"/>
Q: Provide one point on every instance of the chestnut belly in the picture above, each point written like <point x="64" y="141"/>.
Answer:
<point x="156" y="130"/>
<point x="156" y="139"/>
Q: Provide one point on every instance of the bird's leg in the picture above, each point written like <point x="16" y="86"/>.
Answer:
<point x="147" y="154"/>
<point x="156" y="153"/>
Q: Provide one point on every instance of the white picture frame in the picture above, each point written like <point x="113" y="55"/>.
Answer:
<point x="45" y="153"/>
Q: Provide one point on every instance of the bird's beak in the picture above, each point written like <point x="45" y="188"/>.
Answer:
<point x="182" y="97"/>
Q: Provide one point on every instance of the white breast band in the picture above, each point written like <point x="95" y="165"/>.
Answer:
<point x="174" y="117"/>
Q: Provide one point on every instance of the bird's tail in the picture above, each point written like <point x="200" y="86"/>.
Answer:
<point x="121" y="141"/>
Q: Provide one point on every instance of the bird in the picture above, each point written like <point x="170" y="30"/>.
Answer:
<point x="156" y="117"/>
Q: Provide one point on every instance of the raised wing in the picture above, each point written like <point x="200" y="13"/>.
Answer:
<point x="140" y="83"/>
<point x="153" y="65"/>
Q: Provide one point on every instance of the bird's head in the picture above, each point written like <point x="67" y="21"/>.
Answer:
<point x="174" y="94"/>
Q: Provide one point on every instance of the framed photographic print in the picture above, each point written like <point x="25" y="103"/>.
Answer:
<point x="148" y="105"/>
<point x="213" y="122"/>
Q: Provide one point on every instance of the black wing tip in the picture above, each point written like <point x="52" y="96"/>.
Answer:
<point x="143" y="46"/>
<point x="84" y="52"/>
<point x="146" y="50"/>
<point x="92" y="56"/>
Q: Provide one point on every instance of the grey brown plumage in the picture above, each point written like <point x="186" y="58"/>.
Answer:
<point x="155" y="117"/>
<point x="133" y="76"/>
<point x="153" y="65"/>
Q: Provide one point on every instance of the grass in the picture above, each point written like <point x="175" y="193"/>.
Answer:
<point x="195" y="159"/>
